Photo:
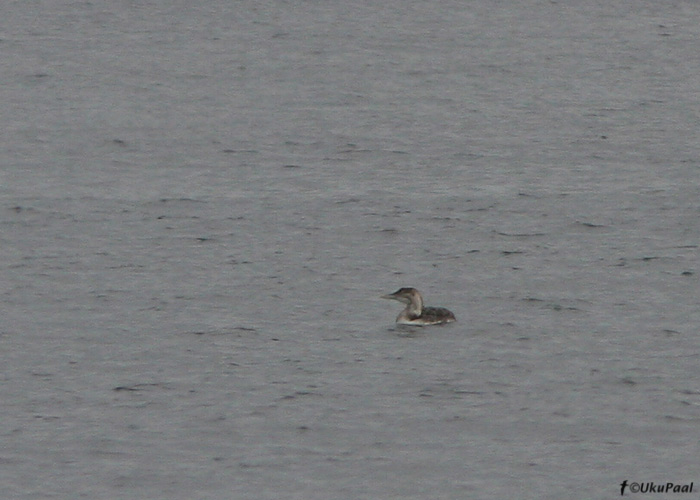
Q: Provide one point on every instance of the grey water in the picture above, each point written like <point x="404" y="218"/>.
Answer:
<point x="201" y="203"/>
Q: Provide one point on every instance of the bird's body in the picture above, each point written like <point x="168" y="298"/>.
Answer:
<point x="417" y="314"/>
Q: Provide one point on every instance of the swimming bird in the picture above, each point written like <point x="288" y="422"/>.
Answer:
<point x="415" y="313"/>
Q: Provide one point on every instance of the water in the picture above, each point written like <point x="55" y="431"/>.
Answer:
<point x="201" y="205"/>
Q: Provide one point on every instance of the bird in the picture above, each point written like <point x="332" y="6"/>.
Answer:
<point x="417" y="314"/>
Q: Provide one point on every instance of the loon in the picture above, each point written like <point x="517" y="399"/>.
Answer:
<point x="415" y="313"/>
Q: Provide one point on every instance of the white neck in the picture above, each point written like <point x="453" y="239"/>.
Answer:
<point x="415" y="307"/>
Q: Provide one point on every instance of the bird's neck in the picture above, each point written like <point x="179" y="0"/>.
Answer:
<point x="415" y="307"/>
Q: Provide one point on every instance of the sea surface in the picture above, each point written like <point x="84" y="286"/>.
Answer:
<point x="201" y="203"/>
